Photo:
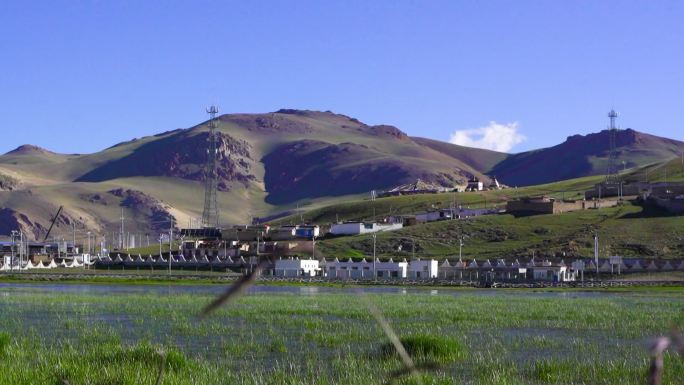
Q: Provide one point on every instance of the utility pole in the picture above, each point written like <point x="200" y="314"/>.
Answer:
<point x="121" y="234"/>
<point x="14" y="245"/>
<point x="596" y="254"/>
<point x="21" y="247"/>
<point x="257" y="255"/>
<point x="313" y="248"/>
<point x="160" y="237"/>
<point x="73" y="248"/>
<point x="460" y="247"/>
<point x="171" y="237"/>
<point x="89" y="251"/>
<point x="375" y="274"/>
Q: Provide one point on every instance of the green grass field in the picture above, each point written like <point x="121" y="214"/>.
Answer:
<point x="49" y="335"/>
<point x="628" y="230"/>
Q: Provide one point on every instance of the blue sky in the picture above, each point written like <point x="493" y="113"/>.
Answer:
<point x="79" y="76"/>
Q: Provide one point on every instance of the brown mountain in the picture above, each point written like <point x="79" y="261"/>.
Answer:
<point x="268" y="163"/>
<point x="584" y="155"/>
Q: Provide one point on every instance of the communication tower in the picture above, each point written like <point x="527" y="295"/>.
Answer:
<point x="210" y="215"/>
<point x="612" y="171"/>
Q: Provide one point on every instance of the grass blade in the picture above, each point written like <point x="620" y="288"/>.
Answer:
<point x="409" y="365"/>
<point x="235" y="289"/>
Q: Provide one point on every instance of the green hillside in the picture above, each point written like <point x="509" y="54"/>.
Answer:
<point x="364" y="209"/>
<point x="670" y="171"/>
<point x="628" y="230"/>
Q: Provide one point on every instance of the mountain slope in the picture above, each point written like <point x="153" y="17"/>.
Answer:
<point x="584" y="156"/>
<point x="478" y="158"/>
<point x="267" y="163"/>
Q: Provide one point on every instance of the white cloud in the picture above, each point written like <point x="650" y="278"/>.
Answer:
<point x="494" y="136"/>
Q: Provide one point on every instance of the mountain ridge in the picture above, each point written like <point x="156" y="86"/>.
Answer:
<point x="273" y="162"/>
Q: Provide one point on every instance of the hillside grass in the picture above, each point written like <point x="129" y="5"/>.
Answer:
<point x="670" y="171"/>
<point x="629" y="230"/>
<point x="364" y="209"/>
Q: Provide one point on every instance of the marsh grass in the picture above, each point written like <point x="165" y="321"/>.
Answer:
<point x="4" y="343"/>
<point x="427" y="347"/>
<point x="508" y="338"/>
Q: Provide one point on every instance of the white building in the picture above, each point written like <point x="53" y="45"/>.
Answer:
<point x="365" y="269"/>
<point x="295" y="267"/>
<point x="423" y="269"/>
<point x="349" y="269"/>
<point x="553" y="273"/>
<point x="437" y="215"/>
<point x="474" y="184"/>
<point x="356" y="228"/>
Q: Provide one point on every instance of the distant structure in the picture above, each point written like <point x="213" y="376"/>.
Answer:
<point x="210" y="215"/>
<point x="612" y="171"/>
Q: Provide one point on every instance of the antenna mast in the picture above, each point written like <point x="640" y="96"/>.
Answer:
<point x="210" y="215"/>
<point x="612" y="172"/>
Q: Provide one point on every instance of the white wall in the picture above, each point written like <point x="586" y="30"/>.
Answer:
<point x="362" y="228"/>
<point x="423" y="269"/>
<point x="346" y="228"/>
<point x="296" y="267"/>
<point x="358" y="270"/>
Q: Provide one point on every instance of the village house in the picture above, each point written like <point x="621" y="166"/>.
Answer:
<point x="545" y="205"/>
<point x="365" y="269"/>
<point x="423" y="269"/>
<point x="474" y="184"/>
<point x="436" y="215"/>
<point x="283" y="233"/>
<point x="356" y="228"/>
<point x="295" y="267"/>
<point x="547" y="271"/>
<point x="453" y="213"/>
<point x="246" y="233"/>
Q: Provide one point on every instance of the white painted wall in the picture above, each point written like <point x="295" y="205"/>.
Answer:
<point x="296" y="267"/>
<point x="423" y="269"/>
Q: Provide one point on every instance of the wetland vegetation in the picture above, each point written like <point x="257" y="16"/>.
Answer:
<point x="119" y="334"/>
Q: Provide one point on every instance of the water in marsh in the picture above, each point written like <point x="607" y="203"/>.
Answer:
<point x="278" y="323"/>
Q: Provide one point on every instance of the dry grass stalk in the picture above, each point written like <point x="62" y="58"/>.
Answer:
<point x="658" y="348"/>
<point x="235" y="289"/>
<point x="162" y="364"/>
<point x="409" y="365"/>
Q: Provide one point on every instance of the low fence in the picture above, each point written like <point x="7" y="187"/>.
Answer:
<point x="100" y="274"/>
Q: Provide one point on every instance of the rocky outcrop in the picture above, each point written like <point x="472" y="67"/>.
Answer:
<point x="13" y="220"/>
<point x="269" y="123"/>
<point x="8" y="183"/>
<point x="183" y="155"/>
<point x="153" y="211"/>
<point x="310" y="168"/>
